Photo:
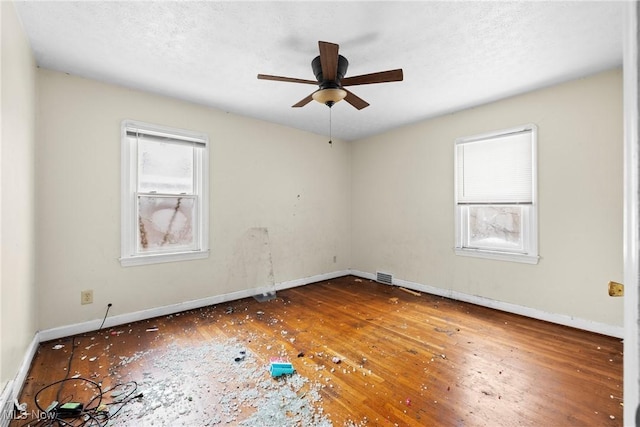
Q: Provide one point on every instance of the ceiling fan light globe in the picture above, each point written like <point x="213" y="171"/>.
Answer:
<point x="329" y="96"/>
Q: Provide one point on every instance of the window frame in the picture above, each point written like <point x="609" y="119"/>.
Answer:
<point x="129" y="254"/>
<point x="529" y="218"/>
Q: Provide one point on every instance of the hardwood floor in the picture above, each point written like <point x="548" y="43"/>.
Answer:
<point x="404" y="360"/>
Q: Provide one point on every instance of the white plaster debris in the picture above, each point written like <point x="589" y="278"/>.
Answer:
<point x="136" y="356"/>
<point x="351" y="423"/>
<point x="205" y="386"/>
<point x="58" y="346"/>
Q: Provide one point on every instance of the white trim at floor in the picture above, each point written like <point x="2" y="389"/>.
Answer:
<point x="121" y="319"/>
<point x="13" y="388"/>
<point x="561" y="319"/>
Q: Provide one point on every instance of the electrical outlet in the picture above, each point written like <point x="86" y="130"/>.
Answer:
<point x="86" y="297"/>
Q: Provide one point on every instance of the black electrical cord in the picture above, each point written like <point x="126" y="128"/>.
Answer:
<point x="128" y="397"/>
<point x="90" y="416"/>
<point x="98" y="415"/>
<point x="105" y="316"/>
<point x="61" y="382"/>
<point x="73" y="349"/>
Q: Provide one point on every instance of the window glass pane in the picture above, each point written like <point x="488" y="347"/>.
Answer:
<point x="165" y="223"/>
<point x="496" y="227"/>
<point x="165" y="167"/>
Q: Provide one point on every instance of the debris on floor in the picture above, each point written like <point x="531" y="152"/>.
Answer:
<point x="409" y="291"/>
<point x="279" y="366"/>
<point x="58" y="346"/>
<point x="241" y="357"/>
<point x="265" y="296"/>
<point x="20" y="407"/>
<point x="180" y="383"/>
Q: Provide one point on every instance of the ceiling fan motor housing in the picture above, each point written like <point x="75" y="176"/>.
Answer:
<point x="316" y="66"/>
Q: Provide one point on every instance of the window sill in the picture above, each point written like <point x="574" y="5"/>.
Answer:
<point x="500" y="256"/>
<point x="161" y="258"/>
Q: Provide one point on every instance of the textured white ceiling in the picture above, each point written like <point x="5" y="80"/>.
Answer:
<point x="454" y="54"/>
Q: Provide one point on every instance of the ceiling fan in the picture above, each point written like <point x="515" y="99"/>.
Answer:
<point x="330" y="69"/>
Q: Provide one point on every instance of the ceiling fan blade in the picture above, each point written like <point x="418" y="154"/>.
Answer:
<point x="328" y="60"/>
<point x="380" y="77"/>
<point x="356" y="101"/>
<point x="286" y="79"/>
<point x="303" y="102"/>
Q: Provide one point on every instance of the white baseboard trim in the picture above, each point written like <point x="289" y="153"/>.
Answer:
<point x="121" y="319"/>
<point x="311" y="279"/>
<point x="561" y="319"/>
<point x="6" y="404"/>
<point x="13" y="388"/>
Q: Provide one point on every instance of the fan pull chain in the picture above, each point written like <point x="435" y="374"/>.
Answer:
<point x="330" y="134"/>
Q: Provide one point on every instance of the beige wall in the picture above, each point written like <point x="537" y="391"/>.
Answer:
<point x="263" y="177"/>
<point x="393" y="192"/>
<point x="402" y="212"/>
<point x="17" y="285"/>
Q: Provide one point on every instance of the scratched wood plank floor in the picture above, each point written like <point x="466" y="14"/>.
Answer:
<point x="405" y="360"/>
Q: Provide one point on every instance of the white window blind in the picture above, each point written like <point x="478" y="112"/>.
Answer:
<point x="166" y="164"/>
<point x="496" y="169"/>
<point x="496" y="195"/>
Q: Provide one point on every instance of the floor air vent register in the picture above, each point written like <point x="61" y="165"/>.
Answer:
<point x="385" y="278"/>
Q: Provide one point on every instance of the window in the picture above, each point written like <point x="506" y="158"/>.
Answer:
<point x="164" y="194"/>
<point x="495" y="195"/>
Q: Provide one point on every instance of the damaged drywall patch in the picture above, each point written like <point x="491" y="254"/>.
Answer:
<point x="252" y="262"/>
